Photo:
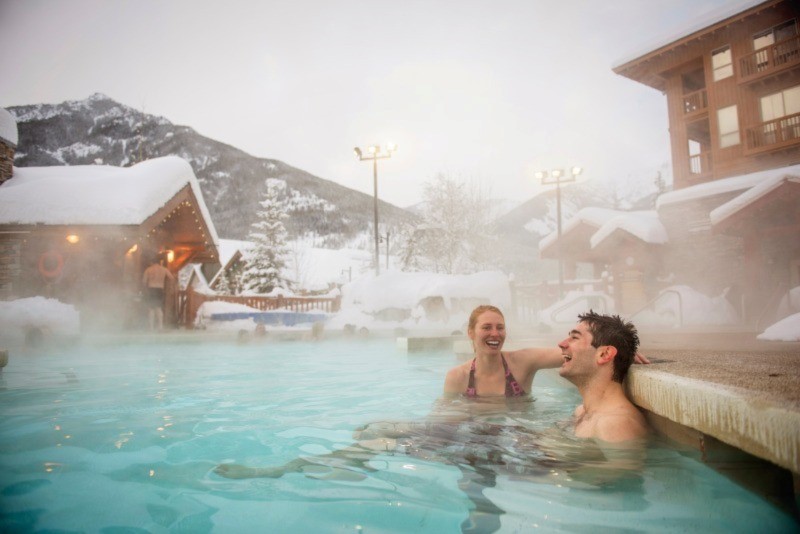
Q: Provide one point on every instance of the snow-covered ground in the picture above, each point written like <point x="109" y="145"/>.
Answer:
<point x="419" y="303"/>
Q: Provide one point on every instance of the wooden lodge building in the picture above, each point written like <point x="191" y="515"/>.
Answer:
<point x="84" y="234"/>
<point x="732" y="220"/>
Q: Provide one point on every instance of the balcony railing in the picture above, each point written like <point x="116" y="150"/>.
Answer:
<point x="774" y="134"/>
<point x="770" y="59"/>
<point x="695" y="102"/>
<point x="700" y="165"/>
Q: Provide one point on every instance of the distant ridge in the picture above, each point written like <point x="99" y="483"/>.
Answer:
<point x="99" y="129"/>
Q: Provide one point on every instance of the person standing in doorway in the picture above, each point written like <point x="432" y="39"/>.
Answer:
<point x="154" y="283"/>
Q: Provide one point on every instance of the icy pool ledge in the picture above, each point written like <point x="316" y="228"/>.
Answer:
<point x="755" y="419"/>
<point x="732" y="415"/>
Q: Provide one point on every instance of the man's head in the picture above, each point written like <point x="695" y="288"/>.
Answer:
<point x="602" y="338"/>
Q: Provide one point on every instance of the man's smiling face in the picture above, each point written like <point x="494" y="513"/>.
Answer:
<point x="578" y="352"/>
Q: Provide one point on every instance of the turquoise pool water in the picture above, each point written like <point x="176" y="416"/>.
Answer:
<point x="126" y="439"/>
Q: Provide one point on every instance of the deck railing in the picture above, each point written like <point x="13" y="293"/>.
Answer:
<point x="190" y="301"/>
<point x="774" y="134"/>
<point x="695" y="102"/>
<point x="769" y="59"/>
<point x="700" y="164"/>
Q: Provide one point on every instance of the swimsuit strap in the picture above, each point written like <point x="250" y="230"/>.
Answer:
<point x="513" y="389"/>
<point x="471" y="386"/>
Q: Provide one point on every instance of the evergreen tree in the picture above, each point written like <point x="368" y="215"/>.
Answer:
<point x="267" y="259"/>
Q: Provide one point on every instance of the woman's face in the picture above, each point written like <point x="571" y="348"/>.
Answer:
<point x="489" y="333"/>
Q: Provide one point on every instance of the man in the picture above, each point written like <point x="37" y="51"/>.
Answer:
<point x="154" y="281"/>
<point x="597" y="355"/>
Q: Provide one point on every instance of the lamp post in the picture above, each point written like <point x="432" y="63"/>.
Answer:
<point x="558" y="177"/>
<point x="374" y="154"/>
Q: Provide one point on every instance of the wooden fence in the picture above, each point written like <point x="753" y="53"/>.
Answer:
<point x="189" y="301"/>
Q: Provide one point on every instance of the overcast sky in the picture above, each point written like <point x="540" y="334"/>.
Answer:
<point x="487" y="91"/>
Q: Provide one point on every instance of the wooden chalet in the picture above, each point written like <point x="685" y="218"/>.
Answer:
<point x="731" y="224"/>
<point x="84" y="234"/>
<point x="732" y="85"/>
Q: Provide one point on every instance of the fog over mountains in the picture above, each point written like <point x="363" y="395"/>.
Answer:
<point x="99" y="129"/>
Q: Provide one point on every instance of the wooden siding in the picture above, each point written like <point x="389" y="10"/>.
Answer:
<point x="779" y="69"/>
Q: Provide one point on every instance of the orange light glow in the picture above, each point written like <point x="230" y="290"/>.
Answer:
<point x="133" y="249"/>
<point x="73" y="238"/>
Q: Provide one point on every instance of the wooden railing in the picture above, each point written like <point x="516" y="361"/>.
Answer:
<point x="190" y="301"/>
<point x="695" y="102"/>
<point x="770" y="59"/>
<point x="700" y="164"/>
<point x="774" y="134"/>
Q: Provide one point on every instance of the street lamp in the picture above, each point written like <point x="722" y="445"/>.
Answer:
<point x="374" y="154"/>
<point x="558" y="177"/>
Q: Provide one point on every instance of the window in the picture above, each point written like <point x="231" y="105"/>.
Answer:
<point x="785" y="103"/>
<point x="722" y="63"/>
<point x="771" y="36"/>
<point x="777" y="105"/>
<point x="728" y="121"/>
<point x="774" y="34"/>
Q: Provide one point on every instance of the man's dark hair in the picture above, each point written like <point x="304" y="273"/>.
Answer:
<point x="613" y="331"/>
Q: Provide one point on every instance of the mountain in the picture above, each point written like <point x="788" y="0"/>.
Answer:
<point x="100" y="130"/>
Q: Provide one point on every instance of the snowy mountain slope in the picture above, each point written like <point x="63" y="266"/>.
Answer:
<point x="99" y="129"/>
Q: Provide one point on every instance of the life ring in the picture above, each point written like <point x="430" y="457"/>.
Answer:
<point x="50" y="264"/>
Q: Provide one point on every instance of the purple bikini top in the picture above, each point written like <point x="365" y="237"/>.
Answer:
<point x="513" y="389"/>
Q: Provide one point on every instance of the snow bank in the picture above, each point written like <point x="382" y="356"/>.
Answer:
<point x="787" y="329"/>
<point x="372" y="294"/>
<point x="684" y="306"/>
<point x="207" y="309"/>
<point x="49" y="315"/>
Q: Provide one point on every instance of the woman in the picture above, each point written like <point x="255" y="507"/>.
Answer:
<point x="494" y="373"/>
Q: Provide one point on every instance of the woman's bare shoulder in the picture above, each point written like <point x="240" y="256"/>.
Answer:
<point x="456" y="378"/>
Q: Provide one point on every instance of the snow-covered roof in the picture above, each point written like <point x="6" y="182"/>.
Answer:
<point x="197" y="279"/>
<point x="644" y="225"/>
<point x="727" y="185"/>
<point x="751" y="195"/>
<point x="228" y="247"/>
<point x="596" y="217"/>
<point x="97" y="194"/>
<point x="8" y="127"/>
<point x="700" y="23"/>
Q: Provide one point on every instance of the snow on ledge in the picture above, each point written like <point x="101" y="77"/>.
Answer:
<point x="727" y="185"/>
<point x="748" y="197"/>
<point x="8" y="127"/>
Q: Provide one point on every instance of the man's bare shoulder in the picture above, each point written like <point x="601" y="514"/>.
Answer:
<point x="620" y="426"/>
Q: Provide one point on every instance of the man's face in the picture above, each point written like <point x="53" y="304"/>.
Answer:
<point x="579" y="354"/>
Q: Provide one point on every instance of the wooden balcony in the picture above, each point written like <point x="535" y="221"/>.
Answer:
<point x="695" y="103"/>
<point x="770" y="60"/>
<point x="773" y="135"/>
<point x="700" y="165"/>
